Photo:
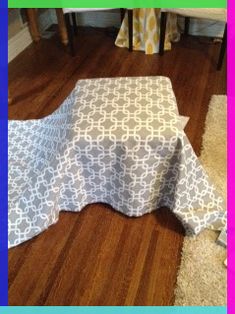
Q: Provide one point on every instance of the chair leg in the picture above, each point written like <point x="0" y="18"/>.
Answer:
<point x="162" y="32"/>
<point x="75" y="29"/>
<point x="222" y="49"/>
<point x="70" y="33"/>
<point x="122" y="14"/>
<point x="33" y="24"/>
<point x="130" y="29"/>
<point x="62" y="26"/>
<point x="186" y="25"/>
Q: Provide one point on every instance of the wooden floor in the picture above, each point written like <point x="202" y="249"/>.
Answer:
<point x="98" y="256"/>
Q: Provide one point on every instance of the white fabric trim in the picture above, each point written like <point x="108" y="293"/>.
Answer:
<point x="217" y="14"/>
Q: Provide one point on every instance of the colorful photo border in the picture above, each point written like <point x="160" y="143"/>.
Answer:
<point x="3" y="152"/>
<point x="4" y="168"/>
<point x="231" y="157"/>
<point x="117" y="3"/>
<point x="114" y="310"/>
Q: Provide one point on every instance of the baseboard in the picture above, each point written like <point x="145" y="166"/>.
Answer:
<point x="23" y="39"/>
<point x="18" y="43"/>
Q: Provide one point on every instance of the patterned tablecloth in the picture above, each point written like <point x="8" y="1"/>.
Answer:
<point x="119" y="141"/>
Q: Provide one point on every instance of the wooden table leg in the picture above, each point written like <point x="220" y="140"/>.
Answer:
<point x="33" y="24"/>
<point x="62" y="26"/>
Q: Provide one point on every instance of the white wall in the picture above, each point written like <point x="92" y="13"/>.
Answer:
<point x="15" y="23"/>
<point x="107" y="18"/>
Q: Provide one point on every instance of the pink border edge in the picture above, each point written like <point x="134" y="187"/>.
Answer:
<point x="231" y="156"/>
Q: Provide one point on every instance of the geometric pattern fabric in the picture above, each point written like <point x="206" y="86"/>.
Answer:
<point x="119" y="141"/>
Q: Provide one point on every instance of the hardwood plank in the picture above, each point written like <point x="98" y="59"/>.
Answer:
<point x="98" y="256"/>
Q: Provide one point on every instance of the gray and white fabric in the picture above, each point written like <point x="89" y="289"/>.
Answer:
<point x="119" y="141"/>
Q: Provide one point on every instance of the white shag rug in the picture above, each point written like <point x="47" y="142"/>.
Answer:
<point x="202" y="277"/>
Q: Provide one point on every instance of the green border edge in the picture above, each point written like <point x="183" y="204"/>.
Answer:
<point x="117" y="3"/>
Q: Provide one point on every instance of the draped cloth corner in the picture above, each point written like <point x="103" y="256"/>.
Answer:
<point x="146" y="31"/>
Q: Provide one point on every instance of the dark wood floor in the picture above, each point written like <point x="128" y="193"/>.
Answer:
<point x="98" y="256"/>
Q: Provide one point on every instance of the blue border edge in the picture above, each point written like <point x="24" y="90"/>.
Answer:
<point x="114" y="309"/>
<point x="3" y="152"/>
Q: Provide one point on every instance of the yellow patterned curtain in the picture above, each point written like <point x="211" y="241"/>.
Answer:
<point x="146" y="31"/>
